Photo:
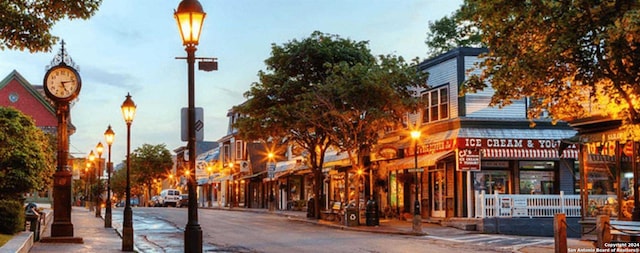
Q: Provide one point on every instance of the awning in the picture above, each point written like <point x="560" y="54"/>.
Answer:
<point x="423" y="161"/>
<point x="210" y="155"/>
<point x="517" y="143"/>
<point x="254" y="175"/>
<point x="527" y="153"/>
<point x="336" y="159"/>
<point x="285" y="168"/>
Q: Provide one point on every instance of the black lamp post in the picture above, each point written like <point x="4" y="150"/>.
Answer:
<point x="109" y="136"/>
<point x="128" y="112"/>
<point x="190" y="18"/>
<point x="271" y="163"/>
<point x="417" y="218"/>
<point x="99" y="150"/>
<point x="92" y="158"/>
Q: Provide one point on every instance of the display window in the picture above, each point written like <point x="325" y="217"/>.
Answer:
<point x="492" y="181"/>
<point x="537" y="177"/>
<point x="600" y="174"/>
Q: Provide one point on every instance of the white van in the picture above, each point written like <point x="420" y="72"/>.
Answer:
<point x="169" y="197"/>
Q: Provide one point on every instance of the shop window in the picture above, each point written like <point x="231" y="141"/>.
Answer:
<point x="600" y="174"/>
<point x="537" y="177"/>
<point x="492" y="181"/>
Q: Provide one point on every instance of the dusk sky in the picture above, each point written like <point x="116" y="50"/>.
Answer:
<point x="130" y="46"/>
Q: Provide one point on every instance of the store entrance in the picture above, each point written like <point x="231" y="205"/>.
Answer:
<point x="438" y="191"/>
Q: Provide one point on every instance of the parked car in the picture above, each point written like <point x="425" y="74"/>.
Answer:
<point x="184" y="200"/>
<point x="169" y="197"/>
<point x="154" y="201"/>
<point x="133" y="202"/>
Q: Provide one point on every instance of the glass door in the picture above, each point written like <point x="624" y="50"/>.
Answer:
<point x="438" y="191"/>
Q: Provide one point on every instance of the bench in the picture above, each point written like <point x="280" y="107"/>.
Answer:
<point x="624" y="228"/>
<point x="606" y="229"/>
<point x="334" y="213"/>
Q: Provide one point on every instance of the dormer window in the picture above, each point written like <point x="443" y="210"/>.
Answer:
<point x="436" y="104"/>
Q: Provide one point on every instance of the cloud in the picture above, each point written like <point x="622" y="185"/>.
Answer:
<point x="124" y="79"/>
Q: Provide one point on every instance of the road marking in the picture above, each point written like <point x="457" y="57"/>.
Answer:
<point x="502" y="241"/>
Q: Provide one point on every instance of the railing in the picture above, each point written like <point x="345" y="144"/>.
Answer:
<point x="516" y="205"/>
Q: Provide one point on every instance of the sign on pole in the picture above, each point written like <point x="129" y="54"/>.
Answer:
<point x="199" y="124"/>
<point x="271" y="170"/>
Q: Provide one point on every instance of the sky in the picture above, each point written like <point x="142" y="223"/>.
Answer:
<point x="131" y="47"/>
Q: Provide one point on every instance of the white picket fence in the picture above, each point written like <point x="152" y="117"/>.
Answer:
<point x="516" y="205"/>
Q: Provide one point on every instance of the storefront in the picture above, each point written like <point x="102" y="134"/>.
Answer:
<point x="454" y="164"/>
<point x="607" y="175"/>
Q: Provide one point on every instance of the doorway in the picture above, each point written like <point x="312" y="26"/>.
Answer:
<point x="438" y="191"/>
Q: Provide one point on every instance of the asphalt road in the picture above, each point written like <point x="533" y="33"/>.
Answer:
<point x="161" y="230"/>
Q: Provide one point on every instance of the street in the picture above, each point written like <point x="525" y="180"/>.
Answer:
<point x="161" y="230"/>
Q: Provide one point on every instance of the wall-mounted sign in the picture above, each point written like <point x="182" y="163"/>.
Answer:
<point x="388" y="152"/>
<point x="468" y="159"/>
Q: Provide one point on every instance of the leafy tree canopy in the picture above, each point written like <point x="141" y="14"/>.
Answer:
<point x="26" y="24"/>
<point x="451" y="32"/>
<point x="327" y="91"/>
<point x="560" y="54"/>
<point x="150" y="162"/>
<point x="26" y="155"/>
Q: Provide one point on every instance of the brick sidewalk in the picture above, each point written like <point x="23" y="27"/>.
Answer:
<point x="90" y="228"/>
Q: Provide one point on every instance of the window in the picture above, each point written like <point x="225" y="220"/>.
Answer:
<point x="437" y="104"/>
<point x="239" y="149"/>
<point x="537" y="177"/>
<point x="227" y="154"/>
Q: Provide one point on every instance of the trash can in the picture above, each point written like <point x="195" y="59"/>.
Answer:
<point x="33" y="218"/>
<point x="351" y="217"/>
<point x="311" y="209"/>
<point x="372" y="213"/>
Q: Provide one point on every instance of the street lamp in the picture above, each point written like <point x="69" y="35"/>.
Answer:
<point x="271" y="164"/>
<point x="190" y="18"/>
<point x="99" y="150"/>
<point x="92" y="157"/>
<point x="109" y="136"/>
<point x="417" y="218"/>
<point x="210" y="199"/>
<point x="128" y="112"/>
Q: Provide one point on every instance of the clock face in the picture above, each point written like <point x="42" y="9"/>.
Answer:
<point x="62" y="83"/>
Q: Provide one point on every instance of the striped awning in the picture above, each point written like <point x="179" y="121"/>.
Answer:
<point x="527" y="153"/>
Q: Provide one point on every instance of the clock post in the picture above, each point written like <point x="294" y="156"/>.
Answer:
<point x="62" y="85"/>
<point x="62" y="226"/>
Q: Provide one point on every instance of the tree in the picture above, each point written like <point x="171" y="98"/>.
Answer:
<point x="26" y="155"/>
<point x="150" y="162"/>
<point x="26" y="24"/>
<point x="451" y="32"/>
<point x="119" y="182"/>
<point x="560" y="55"/>
<point x="326" y="91"/>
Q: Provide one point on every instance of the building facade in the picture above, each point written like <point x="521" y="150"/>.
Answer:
<point x="466" y="146"/>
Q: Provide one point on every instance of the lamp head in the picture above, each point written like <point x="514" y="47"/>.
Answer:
<point x="99" y="149"/>
<point x="109" y="135"/>
<point x="190" y="18"/>
<point x="415" y="134"/>
<point x="128" y="109"/>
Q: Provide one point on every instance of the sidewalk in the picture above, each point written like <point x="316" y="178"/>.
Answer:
<point x="96" y="237"/>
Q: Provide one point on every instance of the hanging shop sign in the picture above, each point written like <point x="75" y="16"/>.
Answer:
<point x="468" y="159"/>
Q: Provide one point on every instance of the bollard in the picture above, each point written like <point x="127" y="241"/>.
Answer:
<point x="603" y="230"/>
<point x="560" y="232"/>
